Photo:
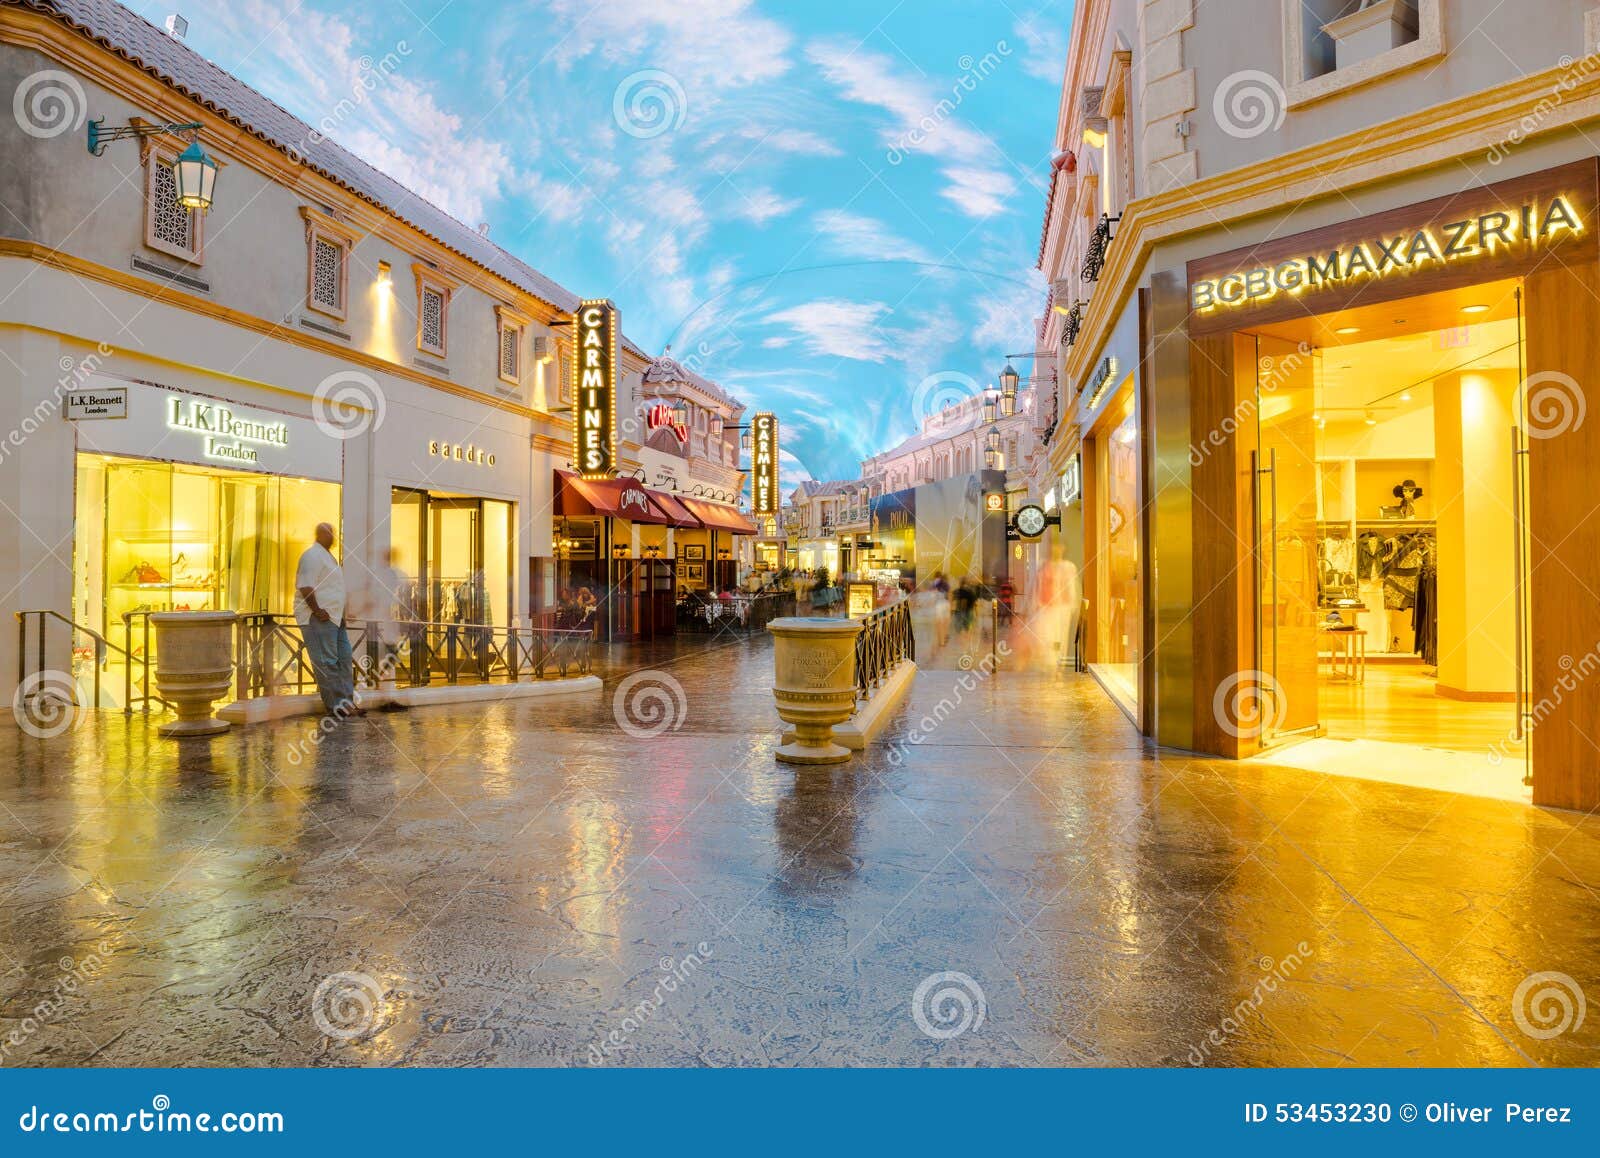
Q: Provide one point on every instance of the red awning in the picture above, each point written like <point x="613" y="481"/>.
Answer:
<point x="677" y="514"/>
<point x="619" y="498"/>
<point x="719" y="517"/>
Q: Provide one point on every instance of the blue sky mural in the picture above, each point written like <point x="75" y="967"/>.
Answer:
<point x="833" y="209"/>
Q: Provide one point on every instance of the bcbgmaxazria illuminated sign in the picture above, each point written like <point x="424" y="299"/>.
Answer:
<point x="1532" y="226"/>
<point x="594" y="425"/>
<point x="764" y="463"/>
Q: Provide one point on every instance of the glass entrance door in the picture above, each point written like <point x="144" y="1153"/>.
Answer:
<point x="1285" y="536"/>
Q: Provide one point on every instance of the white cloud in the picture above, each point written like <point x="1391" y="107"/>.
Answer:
<point x="926" y="122"/>
<point x="836" y="328"/>
<point x="707" y="46"/>
<point x="977" y="192"/>
<point x="761" y="205"/>
<point x="866" y="237"/>
<point x="1044" y="43"/>
<point x="371" y="103"/>
<point x="800" y="142"/>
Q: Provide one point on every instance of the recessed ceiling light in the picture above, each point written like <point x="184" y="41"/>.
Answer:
<point x="1348" y="330"/>
<point x="1371" y="421"/>
<point x="1405" y="396"/>
<point x="1475" y="309"/>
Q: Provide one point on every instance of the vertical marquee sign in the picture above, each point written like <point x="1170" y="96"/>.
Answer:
<point x="764" y="463"/>
<point x="594" y="426"/>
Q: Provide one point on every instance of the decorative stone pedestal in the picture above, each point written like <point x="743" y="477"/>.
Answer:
<point x="194" y="668"/>
<point x="814" y="682"/>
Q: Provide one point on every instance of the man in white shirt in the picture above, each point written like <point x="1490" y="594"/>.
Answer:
<point x="319" y="606"/>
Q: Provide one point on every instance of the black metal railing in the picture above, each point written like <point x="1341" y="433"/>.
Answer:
<point x="885" y="642"/>
<point x="270" y="657"/>
<point x="1074" y="324"/>
<point x="89" y="648"/>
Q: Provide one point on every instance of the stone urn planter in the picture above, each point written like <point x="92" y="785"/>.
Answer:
<point x="194" y="667"/>
<point x="814" y="683"/>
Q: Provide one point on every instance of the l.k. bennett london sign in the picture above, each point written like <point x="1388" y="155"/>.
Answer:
<point x="1490" y="231"/>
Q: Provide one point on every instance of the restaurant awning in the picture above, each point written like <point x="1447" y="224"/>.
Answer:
<point x="620" y="498"/>
<point x="719" y="517"/>
<point x="677" y="514"/>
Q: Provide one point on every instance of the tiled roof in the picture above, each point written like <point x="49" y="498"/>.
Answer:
<point x="816" y="489"/>
<point x="130" y="36"/>
<point x="666" y="369"/>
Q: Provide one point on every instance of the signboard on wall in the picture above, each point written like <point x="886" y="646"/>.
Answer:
<point x="108" y="403"/>
<point x="175" y="426"/>
<point x="1479" y="235"/>
<point x="764" y="463"/>
<point x="594" y="418"/>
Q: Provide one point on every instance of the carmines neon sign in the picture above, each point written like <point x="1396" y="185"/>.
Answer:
<point x="1535" y="225"/>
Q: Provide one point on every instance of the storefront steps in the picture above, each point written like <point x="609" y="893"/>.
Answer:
<point x="871" y="717"/>
<point x="264" y="708"/>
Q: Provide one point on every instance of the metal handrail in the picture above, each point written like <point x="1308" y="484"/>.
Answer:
<point x="102" y="649"/>
<point x="271" y="655"/>
<point x="883" y="644"/>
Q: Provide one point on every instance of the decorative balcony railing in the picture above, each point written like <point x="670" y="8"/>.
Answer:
<point x="886" y="641"/>
<point x="1094" y="261"/>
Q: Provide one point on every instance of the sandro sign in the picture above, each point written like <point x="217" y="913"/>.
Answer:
<point x="594" y="425"/>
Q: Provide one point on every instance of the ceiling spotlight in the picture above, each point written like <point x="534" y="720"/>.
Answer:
<point x="1371" y="419"/>
<point x="1405" y="396"/>
<point x="1348" y="330"/>
<point x="1475" y="309"/>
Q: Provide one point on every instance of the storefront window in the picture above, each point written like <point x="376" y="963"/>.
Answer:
<point x="454" y="553"/>
<point x="166" y="537"/>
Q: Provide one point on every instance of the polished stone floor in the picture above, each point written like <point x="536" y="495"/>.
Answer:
<point x="1010" y="878"/>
